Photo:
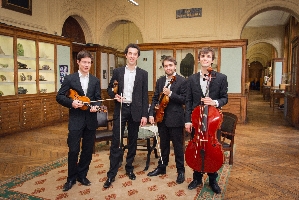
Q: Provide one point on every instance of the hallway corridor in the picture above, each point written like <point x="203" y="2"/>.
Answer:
<point x="265" y="163"/>
<point x="267" y="155"/>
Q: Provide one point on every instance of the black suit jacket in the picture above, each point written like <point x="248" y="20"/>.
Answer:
<point x="217" y="91"/>
<point x="139" y="106"/>
<point x="174" y="112"/>
<point x="77" y="117"/>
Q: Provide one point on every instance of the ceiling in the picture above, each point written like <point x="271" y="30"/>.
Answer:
<point x="269" y="18"/>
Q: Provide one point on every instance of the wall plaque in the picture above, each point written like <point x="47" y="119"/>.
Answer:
<point x="189" y="13"/>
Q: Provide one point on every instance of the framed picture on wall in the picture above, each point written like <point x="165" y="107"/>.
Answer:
<point x="23" y="6"/>
<point x="63" y="71"/>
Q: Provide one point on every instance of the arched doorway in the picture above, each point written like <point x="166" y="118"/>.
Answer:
<point x="72" y="29"/>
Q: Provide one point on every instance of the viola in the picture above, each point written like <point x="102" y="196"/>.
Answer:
<point x="73" y="94"/>
<point x="204" y="153"/>
<point x="163" y="102"/>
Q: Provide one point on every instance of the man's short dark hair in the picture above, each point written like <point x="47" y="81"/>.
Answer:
<point x="84" y="54"/>
<point x="131" y="45"/>
<point x="169" y="58"/>
<point x="206" y="50"/>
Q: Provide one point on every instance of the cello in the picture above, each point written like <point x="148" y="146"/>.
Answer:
<point x="162" y="104"/>
<point x="204" y="153"/>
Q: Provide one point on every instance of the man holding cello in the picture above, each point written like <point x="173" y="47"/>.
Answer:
<point x="206" y="87"/>
<point x="168" y="112"/>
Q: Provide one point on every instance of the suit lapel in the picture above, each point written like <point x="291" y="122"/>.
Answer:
<point x="174" y="82"/>
<point x="121" y="79"/>
<point x="162" y="83"/>
<point x="197" y="84"/>
<point x="213" y="75"/>
<point x="89" y="84"/>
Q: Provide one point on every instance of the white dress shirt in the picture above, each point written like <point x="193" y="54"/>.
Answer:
<point x="129" y="80"/>
<point x="84" y="81"/>
<point x="204" y="86"/>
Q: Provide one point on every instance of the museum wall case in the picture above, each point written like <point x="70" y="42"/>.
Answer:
<point x="230" y="60"/>
<point x="31" y="71"/>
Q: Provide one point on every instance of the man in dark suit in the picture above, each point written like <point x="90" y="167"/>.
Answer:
<point x="200" y="92"/>
<point x="132" y="100"/>
<point x="171" y="127"/>
<point x="82" y="123"/>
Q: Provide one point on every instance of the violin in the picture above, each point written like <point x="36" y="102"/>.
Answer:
<point x="85" y="100"/>
<point x="162" y="103"/>
<point x="204" y="153"/>
<point x="115" y="87"/>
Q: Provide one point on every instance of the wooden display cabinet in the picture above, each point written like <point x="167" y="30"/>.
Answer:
<point x="292" y="91"/>
<point x="29" y="78"/>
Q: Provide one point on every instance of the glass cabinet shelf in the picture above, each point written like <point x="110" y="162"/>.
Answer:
<point x="6" y="66"/>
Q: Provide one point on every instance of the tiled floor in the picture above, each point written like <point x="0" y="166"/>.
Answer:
<point x="265" y="166"/>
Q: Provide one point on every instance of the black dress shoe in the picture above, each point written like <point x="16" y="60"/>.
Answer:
<point x="131" y="175"/>
<point x="108" y="182"/>
<point x="181" y="178"/>
<point x="215" y="187"/>
<point x="194" y="184"/>
<point x="68" y="185"/>
<point x="84" y="181"/>
<point x="157" y="172"/>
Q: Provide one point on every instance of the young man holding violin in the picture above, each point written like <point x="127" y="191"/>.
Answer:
<point x="168" y="112"/>
<point x="82" y="122"/>
<point x="202" y="92"/>
<point x="131" y="108"/>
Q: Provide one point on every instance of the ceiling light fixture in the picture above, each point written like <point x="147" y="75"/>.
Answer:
<point x="133" y="2"/>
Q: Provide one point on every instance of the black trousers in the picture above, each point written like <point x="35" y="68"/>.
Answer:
<point x="116" y="151"/>
<point x="75" y="168"/>
<point x="174" y="134"/>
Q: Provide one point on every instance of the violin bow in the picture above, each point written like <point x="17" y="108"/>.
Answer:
<point x="159" y="149"/>
<point x="121" y="104"/>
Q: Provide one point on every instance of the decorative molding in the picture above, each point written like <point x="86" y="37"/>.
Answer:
<point x="18" y="23"/>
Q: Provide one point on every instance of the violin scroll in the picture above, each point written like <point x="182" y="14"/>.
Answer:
<point x="115" y="86"/>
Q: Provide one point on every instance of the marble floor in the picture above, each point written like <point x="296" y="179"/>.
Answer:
<point x="265" y="165"/>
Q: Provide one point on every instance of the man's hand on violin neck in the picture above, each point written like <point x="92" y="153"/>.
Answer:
<point x="77" y="104"/>
<point x="119" y="98"/>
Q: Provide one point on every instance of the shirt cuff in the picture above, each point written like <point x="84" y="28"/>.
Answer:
<point x="217" y="104"/>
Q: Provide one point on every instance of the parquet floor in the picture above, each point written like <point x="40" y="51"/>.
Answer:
<point x="265" y="166"/>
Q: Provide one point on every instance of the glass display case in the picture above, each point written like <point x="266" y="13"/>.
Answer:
<point x="28" y="78"/>
<point x="46" y="75"/>
<point x="6" y="66"/>
<point x="26" y="61"/>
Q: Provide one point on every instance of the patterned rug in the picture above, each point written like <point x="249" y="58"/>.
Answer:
<point x="46" y="182"/>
